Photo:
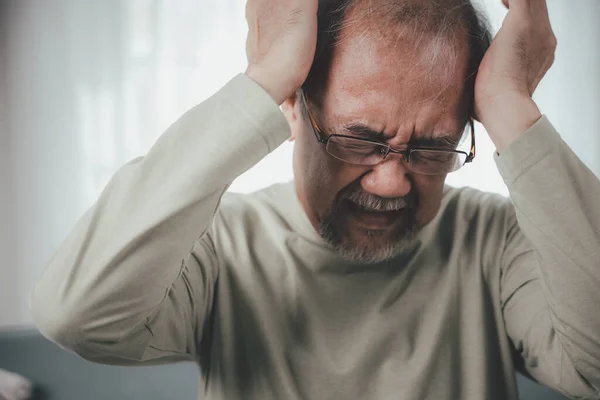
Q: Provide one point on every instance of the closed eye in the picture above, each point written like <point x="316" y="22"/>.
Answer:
<point x="364" y="132"/>
<point x="448" y="142"/>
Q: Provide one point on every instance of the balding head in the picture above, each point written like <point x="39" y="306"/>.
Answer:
<point x="437" y="31"/>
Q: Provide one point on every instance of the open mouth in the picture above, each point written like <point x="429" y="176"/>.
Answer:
<point x="373" y="219"/>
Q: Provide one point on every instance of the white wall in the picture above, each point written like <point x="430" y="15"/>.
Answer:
<point x="8" y="265"/>
<point x="38" y="143"/>
<point x="571" y="94"/>
<point x="91" y="85"/>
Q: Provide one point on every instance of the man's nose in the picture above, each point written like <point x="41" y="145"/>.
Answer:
<point x="388" y="179"/>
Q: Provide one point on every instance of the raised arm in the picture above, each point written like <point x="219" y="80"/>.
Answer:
<point x="123" y="283"/>
<point x="134" y="280"/>
<point x="550" y="284"/>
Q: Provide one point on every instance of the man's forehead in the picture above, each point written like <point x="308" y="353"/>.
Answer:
<point x="386" y="122"/>
<point x="367" y="61"/>
<point x="366" y="71"/>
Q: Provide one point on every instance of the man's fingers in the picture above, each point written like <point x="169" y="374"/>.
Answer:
<point x="540" y="5"/>
<point x="540" y="8"/>
<point x="536" y="8"/>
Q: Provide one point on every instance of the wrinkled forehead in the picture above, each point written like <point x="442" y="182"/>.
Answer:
<point x="397" y="69"/>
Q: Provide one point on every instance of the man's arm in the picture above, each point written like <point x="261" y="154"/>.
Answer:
<point x="550" y="286"/>
<point x="134" y="280"/>
<point x="125" y="286"/>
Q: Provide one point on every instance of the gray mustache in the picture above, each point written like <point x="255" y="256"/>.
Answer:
<point x="371" y="202"/>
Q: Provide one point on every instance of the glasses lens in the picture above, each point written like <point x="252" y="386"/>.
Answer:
<point x="356" y="151"/>
<point x="436" y="162"/>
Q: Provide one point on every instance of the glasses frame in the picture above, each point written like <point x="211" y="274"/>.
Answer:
<point x="324" y="139"/>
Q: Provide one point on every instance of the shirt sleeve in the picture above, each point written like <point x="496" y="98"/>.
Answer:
<point x="133" y="282"/>
<point x="550" y="285"/>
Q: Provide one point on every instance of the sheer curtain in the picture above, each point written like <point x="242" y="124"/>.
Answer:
<point x="90" y="85"/>
<point x="165" y="57"/>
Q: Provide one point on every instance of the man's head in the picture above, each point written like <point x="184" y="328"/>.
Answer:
<point x="396" y="71"/>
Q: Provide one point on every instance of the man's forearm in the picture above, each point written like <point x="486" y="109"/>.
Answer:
<point x="556" y="200"/>
<point x="508" y="118"/>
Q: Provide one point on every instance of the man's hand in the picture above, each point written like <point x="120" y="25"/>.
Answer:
<point x="281" y="44"/>
<point x="519" y="57"/>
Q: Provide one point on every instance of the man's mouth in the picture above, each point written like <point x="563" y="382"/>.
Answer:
<point x="374" y="219"/>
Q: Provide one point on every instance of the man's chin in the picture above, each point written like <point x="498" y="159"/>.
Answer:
<point x="367" y="238"/>
<point x="372" y="246"/>
<point x="369" y="254"/>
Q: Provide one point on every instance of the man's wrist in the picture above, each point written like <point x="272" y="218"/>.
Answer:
<point x="508" y="118"/>
<point x="277" y="91"/>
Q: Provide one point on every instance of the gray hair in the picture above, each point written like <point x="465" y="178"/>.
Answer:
<point x="436" y="22"/>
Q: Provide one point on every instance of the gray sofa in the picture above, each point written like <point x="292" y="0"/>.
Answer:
<point x="59" y="375"/>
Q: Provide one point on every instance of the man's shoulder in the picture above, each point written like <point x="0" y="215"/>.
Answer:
<point x="471" y="203"/>
<point x="474" y="224"/>
<point x="271" y="197"/>
<point x="480" y="222"/>
<point x="250" y="211"/>
<point x="475" y="218"/>
<point x="251" y="226"/>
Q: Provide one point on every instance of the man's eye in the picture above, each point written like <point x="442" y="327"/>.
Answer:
<point x="362" y="148"/>
<point x="359" y="146"/>
<point x="432" y="157"/>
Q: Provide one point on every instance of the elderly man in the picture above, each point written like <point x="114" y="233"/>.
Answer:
<point x="367" y="277"/>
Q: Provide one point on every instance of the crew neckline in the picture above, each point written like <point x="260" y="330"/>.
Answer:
<point x="291" y="207"/>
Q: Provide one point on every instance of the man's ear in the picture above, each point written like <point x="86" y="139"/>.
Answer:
<point x="291" y="110"/>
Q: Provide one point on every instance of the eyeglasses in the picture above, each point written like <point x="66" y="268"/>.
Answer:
<point x="360" y="151"/>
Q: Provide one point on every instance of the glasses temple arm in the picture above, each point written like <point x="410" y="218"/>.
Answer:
<point x="313" y="122"/>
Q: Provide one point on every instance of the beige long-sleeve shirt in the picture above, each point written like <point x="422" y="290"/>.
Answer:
<point x="164" y="267"/>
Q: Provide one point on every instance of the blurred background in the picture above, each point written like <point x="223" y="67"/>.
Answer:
<point x="87" y="85"/>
